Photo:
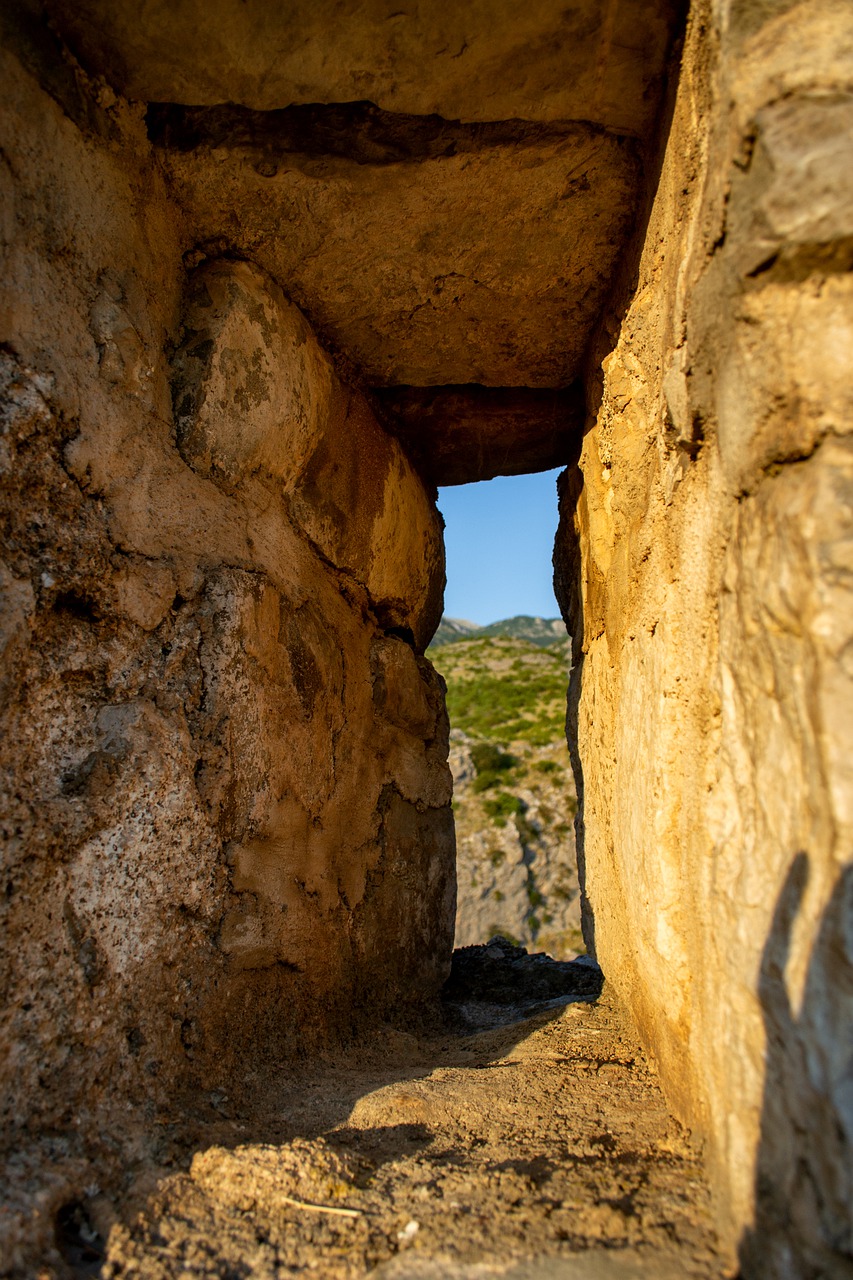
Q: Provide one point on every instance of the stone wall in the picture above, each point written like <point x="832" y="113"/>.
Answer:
<point x="225" y="799"/>
<point x="704" y="560"/>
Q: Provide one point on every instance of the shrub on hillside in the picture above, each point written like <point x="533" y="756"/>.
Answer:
<point x="501" y="806"/>
<point x="493" y="765"/>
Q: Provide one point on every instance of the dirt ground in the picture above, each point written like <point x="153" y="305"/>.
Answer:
<point x="524" y="1135"/>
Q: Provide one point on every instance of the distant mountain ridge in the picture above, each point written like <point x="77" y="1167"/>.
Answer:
<point x="541" y="631"/>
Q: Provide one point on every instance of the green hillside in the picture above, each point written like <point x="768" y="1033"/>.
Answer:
<point x="514" y="797"/>
<point x="504" y="689"/>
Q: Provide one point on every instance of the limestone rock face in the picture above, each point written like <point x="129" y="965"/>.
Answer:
<point x="258" y="403"/>
<point x="444" y="191"/>
<point x="480" y="61"/>
<point x="225" y="801"/>
<point x="319" y="258"/>
<point x="704" y="561"/>
<point x="485" y="263"/>
<point x="240" y="408"/>
<point x="458" y="435"/>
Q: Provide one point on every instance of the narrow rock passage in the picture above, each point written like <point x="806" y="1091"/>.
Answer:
<point x="524" y="1135"/>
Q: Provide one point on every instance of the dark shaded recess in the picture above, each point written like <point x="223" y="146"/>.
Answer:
<point x="456" y="434"/>
<point x="402" y="633"/>
<point x="568" y="577"/>
<point x="79" y="1244"/>
<point x="501" y="973"/>
<point x="25" y="30"/>
<point x="792" y="264"/>
<point x="358" y="131"/>
<point x="76" y="604"/>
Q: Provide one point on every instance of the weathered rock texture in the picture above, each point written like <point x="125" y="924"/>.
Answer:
<point x="491" y="1144"/>
<point x="445" y="191"/>
<point x="403" y="273"/>
<point x="482" y="61"/>
<point x="225" y="801"/>
<point x="705" y="564"/>
<point x="456" y="434"/>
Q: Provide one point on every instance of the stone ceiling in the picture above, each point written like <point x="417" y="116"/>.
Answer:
<point x="445" y="191"/>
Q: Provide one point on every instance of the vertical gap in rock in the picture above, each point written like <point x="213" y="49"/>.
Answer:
<point x="504" y="652"/>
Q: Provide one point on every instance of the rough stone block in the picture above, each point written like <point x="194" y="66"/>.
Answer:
<point x="258" y="402"/>
<point x="479" y="62"/>
<point x="487" y="264"/>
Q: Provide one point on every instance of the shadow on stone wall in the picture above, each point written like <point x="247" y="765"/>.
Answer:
<point x="568" y="569"/>
<point x="803" y="1226"/>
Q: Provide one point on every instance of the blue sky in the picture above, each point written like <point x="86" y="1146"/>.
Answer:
<point x="499" y="539"/>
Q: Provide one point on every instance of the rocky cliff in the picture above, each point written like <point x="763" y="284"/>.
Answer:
<point x="513" y="793"/>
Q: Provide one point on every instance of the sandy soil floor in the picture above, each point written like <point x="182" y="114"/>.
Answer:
<point x="523" y="1136"/>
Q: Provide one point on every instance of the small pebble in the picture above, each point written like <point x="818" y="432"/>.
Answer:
<point x="411" y="1229"/>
